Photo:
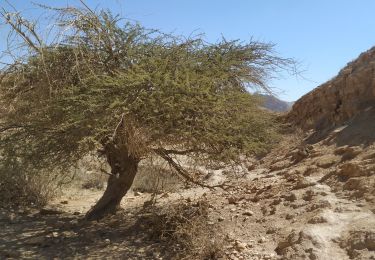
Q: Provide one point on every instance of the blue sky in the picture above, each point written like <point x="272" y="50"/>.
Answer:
<point x="321" y="34"/>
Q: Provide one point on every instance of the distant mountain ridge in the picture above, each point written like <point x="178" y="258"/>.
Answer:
<point x="274" y="104"/>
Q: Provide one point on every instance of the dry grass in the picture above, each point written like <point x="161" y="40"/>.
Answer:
<point x="23" y="190"/>
<point x="89" y="174"/>
<point x="94" y="180"/>
<point x="153" y="178"/>
<point x="185" y="229"/>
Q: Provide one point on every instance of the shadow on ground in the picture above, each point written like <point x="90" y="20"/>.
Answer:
<point x="36" y="236"/>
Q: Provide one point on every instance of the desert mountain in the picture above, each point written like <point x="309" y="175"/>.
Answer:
<point x="274" y="104"/>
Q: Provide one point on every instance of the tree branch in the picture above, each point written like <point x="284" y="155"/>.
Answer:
<point x="120" y="123"/>
<point x="163" y="154"/>
<point x="17" y="28"/>
<point x="181" y="152"/>
<point x="10" y="127"/>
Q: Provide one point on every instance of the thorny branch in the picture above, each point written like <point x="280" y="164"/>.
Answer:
<point x="163" y="154"/>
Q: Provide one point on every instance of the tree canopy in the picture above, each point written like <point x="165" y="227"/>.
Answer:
<point x="66" y="96"/>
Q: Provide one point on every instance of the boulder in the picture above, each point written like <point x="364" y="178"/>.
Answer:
<point x="280" y="165"/>
<point x="352" y="169"/>
<point x="327" y="161"/>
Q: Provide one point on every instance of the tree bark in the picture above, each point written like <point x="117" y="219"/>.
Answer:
<point x="123" y="170"/>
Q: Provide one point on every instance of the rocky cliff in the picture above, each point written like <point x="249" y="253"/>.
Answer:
<point x="348" y="94"/>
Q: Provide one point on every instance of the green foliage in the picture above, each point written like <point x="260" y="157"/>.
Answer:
<point x="64" y="99"/>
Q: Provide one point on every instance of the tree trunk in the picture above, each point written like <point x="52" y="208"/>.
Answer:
<point x="123" y="168"/>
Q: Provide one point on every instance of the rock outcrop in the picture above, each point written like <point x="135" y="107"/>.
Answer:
<point x="340" y="99"/>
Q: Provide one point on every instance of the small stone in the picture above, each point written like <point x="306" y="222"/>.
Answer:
<point x="319" y="205"/>
<point x="232" y="200"/>
<point x="290" y="240"/>
<point x="12" y="217"/>
<point x="289" y="216"/>
<point x="276" y="201"/>
<point x="327" y="161"/>
<point x="248" y="213"/>
<point x="262" y="240"/>
<point x="165" y="195"/>
<point x="240" y="246"/>
<point x="35" y="241"/>
<point x="255" y="199"/>
<point x="299" y="154"/>
<point x="156" y="254"/>
<point x="290" y="197"/>
<point x="303" y="183"/>
<point x="279" y="165"/>
<point x="317" y="219"/>
<point x="74" y="222"/>
<point x="271" y="230"/>
<point x="250" y="166"/>
<point x="308" y="196"/>
<point x="220" y="219"/>
<point x="107" y="241"/>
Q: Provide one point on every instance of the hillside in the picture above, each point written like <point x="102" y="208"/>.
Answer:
<point x="347" y="95"/>
<point x="274" y="104"/>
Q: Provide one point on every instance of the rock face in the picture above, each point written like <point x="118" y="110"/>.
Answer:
<point x="340" y="99"/>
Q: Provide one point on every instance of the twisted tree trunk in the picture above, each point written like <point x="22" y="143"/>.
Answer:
<point x="123" y="168"/>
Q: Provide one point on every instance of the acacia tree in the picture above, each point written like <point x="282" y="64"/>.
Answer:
<point x="128" y="93"/>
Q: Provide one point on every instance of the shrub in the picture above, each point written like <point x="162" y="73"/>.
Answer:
<point x="156" y="178"/>
<point x="18" y="188"/>
<point x="185" y="229"/>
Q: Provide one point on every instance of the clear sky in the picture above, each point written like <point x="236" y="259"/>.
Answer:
<point x="321" y="34"/>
